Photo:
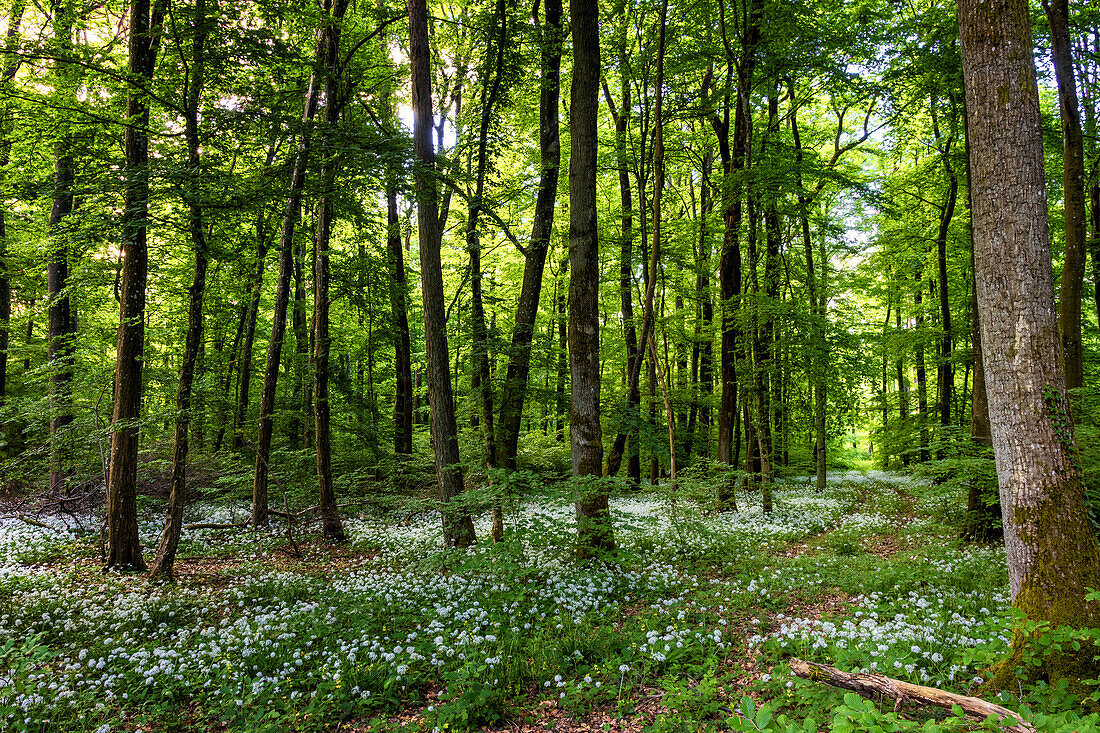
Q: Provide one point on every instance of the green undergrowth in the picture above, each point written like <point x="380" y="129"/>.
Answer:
<point x="689" y="626"/>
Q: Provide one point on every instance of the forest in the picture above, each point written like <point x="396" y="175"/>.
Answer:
<point x="704" y="365"/>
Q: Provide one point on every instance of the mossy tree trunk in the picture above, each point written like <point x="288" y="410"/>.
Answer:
<point x="1051" y="547"/>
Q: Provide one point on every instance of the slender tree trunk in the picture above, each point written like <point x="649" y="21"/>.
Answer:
<point x="124" y="547"/>
<point x="655" y="248"/>
<point x="903" y="394"/>
<point x="244" y="371"/>
<point x="734" y="162"/>
<point x="561" y="403"/>
<point x="15" y="18"/>
<point x="302" y="392"/>
<point x="702" y="286"/>
<point x="291" y="213"/>
<point x="331" y="526"/>
<point x="594" y="531"/>
<point x="458" y="527"/>
<point x="514" y="391"/>
<point x="1073" y="184"/>
<point x="629" y="422"/>
<point x="1052" y="550"/>
<point x="484" y="383"/>
<point x="61" y="332"/>
<point x="818" y="348"/>
<point x="922" y="375"/>
<point x="173" y="525"/>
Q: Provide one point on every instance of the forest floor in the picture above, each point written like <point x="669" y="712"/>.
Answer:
<point x="687" y="627"/>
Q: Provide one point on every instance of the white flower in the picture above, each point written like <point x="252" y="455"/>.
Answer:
<point x="624" y="667"/>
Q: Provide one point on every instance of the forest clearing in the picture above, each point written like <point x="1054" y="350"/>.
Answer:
<point x="689" y="628"/>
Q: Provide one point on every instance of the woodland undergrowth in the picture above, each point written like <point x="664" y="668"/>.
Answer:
<point x="687" y="627"/>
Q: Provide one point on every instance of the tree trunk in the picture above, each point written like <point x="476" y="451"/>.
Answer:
<point x="594" y="531"/>
<point x="629" y="422"/>
<point x="170" y="536"/>
<point x="734" y="162"/>
<point x="922" y="374"/>
<point x="252" y="312"/>
<point x="561" y="403"/>
<point x="291" y="212"/>
<point x="1073" y="184"/>
<point x="61" y="332"/>
<point x="301" y="398"/>
<point x="484" y="383"/>
<point x="818" y="348"/>
<point x="1051" y="547"/>
<point x="705" y="338"/>
<point x="331" y="526"/>
<point x="515" y="382"/>
<point x="15" y="18"/>
<point x="458" y="527"/>
<point x="124" y="547"/>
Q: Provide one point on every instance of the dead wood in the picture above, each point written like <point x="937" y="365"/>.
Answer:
<point x="868" y="684"/>
<point x="215" y="525"/>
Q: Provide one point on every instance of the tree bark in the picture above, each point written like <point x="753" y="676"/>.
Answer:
<point x="170" y="535"/>
<point x="819" y="355"/>
<point x="629" y="421"/>
<point x="515" y="383"/>
<point x="1073" y="184"/>
<point x="490" y="91"/>
<point x="291" y="212"/>
<point x="594" y="530"/>
<point x="60" y="323"/>
<point x="922" y="373"/>
<point x="15" y="18"/>
<point x="124" y="547"/>
<point x="252" y="312"/>
<point x="458" y="527"/>
<point x="331" y="526"/>
<point x="734" y="162"/>
<point x="1051" y="547"/>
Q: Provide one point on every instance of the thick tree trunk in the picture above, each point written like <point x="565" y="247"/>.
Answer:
<point x="594" y="531"/>
<point x="124" y="547"/>
<point x="458" y="527"/>
<point x="291" y="212"/>
<point x="1052" y="550"/>
<point x="514" y="391"/>
<point x="173" y="525"/>
<point x="1073" y="185"/>
<point x="60" y="326"/>
<point x="331" y="526"/>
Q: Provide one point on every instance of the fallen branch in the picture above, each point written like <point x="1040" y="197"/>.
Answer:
<point x="309" y="509"/>
<point x="35" y="522"/>
<point x="868" y="684"/>
<point x="215" y="525"/>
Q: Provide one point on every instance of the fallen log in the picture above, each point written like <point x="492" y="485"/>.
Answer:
<point x="867" y="684"/>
